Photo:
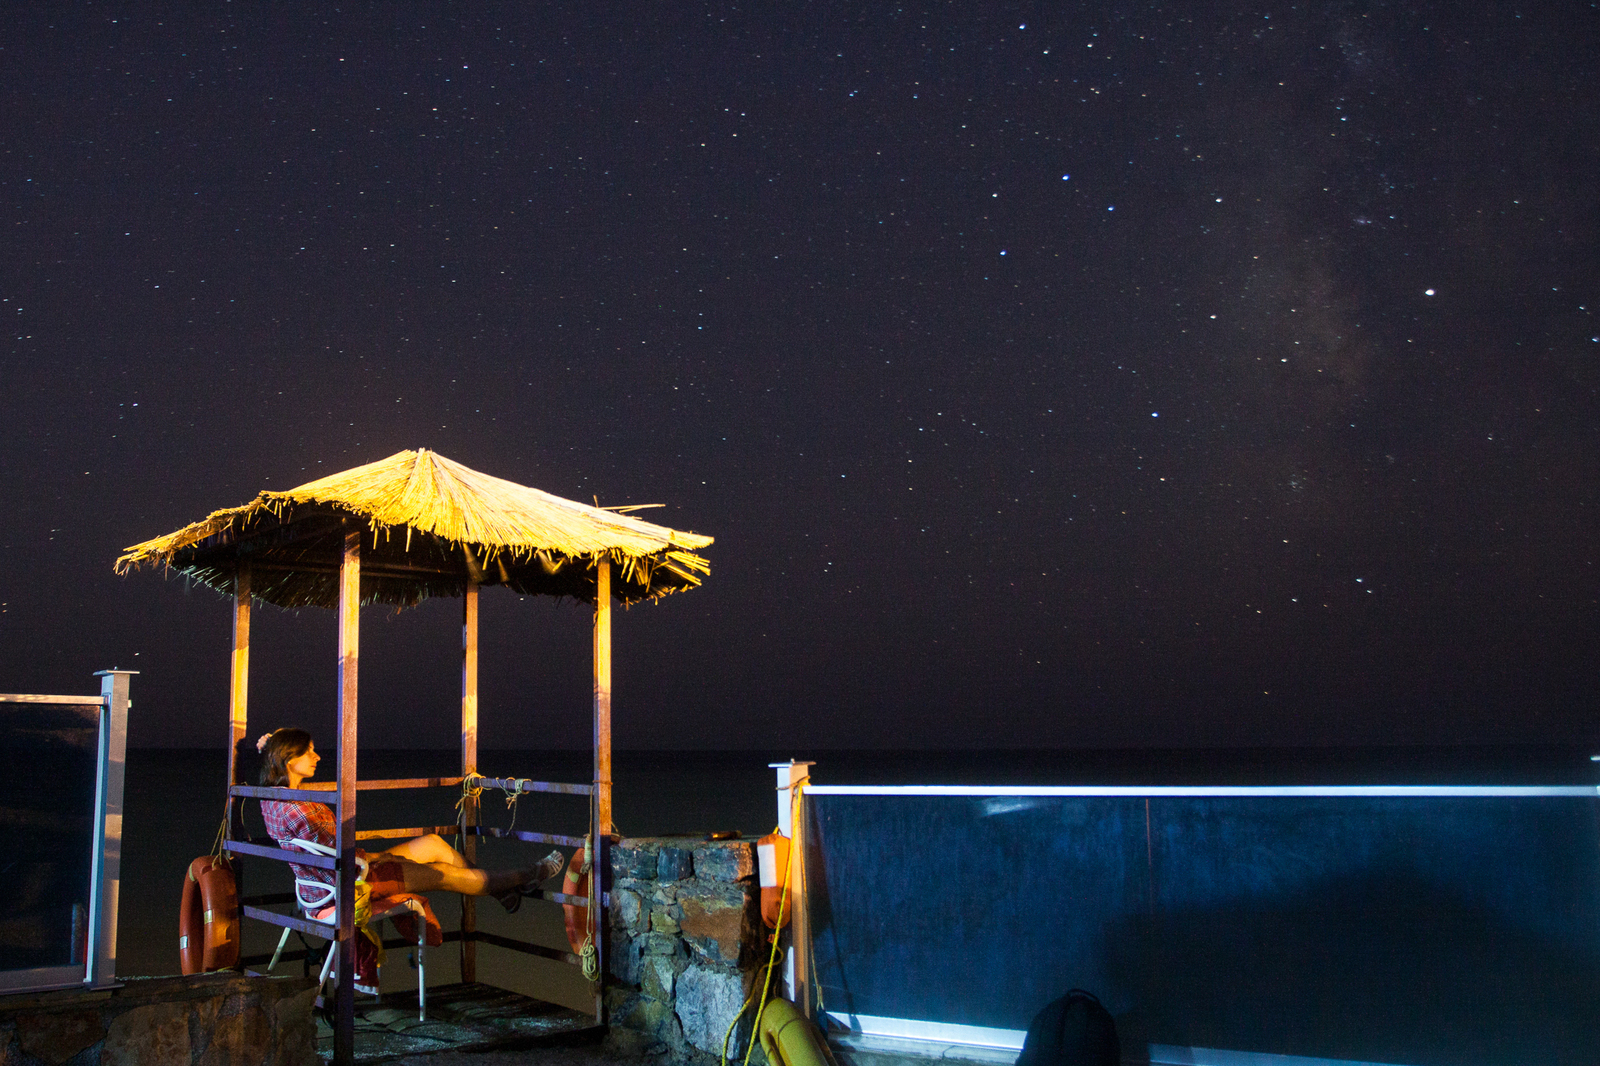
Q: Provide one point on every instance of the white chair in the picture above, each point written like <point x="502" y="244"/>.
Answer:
<point x="323" y="907"/>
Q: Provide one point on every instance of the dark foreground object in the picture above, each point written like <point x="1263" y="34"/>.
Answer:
<point x="207" y="1018"/>
<point x="468" y="1017"/>
<point x="1075" y="1030"/>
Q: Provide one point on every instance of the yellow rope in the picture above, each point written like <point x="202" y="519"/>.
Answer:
<point x="589" y="954"/>
<point x="772" y="961"/>
<point x="729" y="1034"/>
<point x="216" y="845"/>
<point x="470" y="790"/>
<point x="777" y="935"/>
<point x="513" y="794"/>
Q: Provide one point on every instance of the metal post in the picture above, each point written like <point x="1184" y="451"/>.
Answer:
<point x="469" y="765"/>
<point x="349" y="649"/>
<point x="788" y="774"/>
<point x="602" y="701"/>
<point x="106" y="868"/>
<point x="238" y="691"/>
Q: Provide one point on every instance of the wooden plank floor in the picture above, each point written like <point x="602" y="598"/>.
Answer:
<point x="472" y="1017"/>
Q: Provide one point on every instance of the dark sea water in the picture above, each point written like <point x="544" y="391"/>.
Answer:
<point x="174" y="804"/>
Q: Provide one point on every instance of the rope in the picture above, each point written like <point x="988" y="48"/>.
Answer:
<point x="729" y="1034"/>
<point x="216" y="845"/>
<point x="589" y="954"/>
<point x="513" y="794"/>
<point x="772" y="961"/>
<point x="470" y="790"/>
<point x="777" y="936"/>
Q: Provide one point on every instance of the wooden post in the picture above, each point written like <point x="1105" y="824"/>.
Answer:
<point x="599" y="886"/>
<point x="602" y="701"/>
<point x="469" y="765"/>
<point x="238" y="690"/>
<point x="349" y="648"/>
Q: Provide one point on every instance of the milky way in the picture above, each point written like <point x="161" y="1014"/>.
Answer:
<point x="1138" y="375"/>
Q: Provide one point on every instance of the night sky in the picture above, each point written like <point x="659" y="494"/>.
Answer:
<point x="1049" y="375"/>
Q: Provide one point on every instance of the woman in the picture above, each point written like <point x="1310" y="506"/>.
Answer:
<point x="425" y="864"/>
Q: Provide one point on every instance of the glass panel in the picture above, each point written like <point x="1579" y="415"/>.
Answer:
<point x="1457" y="931"/>
<point x="48" y="767"/>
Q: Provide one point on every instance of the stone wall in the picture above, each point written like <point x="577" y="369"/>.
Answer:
<point x="687" y="947"/>
<point x="214" y="1019"/>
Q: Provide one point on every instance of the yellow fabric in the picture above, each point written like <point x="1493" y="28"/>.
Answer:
<point x="364" y="915"/>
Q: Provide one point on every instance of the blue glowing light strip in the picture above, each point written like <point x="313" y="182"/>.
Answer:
<point x="1459" y="791"/>
<point x="948" y="1041"/>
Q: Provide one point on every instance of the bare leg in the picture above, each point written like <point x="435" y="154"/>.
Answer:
<point x="444" y="877"/>
<point x="430" y="849"/>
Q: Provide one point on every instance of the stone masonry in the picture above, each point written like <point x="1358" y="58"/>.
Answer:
<point x="687" y="947"/>
<point x="214" y="1019"/>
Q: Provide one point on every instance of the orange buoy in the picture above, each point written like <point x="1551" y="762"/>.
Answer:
<point x="576" y="883"/>
<point x="772" y="855"/>
<point x="208" y="917"/>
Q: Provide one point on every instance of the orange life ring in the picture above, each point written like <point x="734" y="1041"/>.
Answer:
<point x="208" y="918"/>
<point x="576" y="883"/>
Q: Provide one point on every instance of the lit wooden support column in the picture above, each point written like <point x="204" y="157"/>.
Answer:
<point x="349" y="649"/>
<point x="602" y="700"/>
<point x="605" y="829"/>
<point x="238" y="689"/>
<point x="469" y="765"/>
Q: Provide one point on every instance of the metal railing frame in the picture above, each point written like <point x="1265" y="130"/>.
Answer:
<point x="98" y="970"/>
<point x="265" y="848"/>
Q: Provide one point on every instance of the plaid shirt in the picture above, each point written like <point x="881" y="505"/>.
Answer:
<point x="300" y="820"/>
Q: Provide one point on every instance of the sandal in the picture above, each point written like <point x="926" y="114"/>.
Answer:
<point x="548" y="867"/>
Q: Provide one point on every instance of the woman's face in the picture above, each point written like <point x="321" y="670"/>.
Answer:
<point x="304" y="766"/>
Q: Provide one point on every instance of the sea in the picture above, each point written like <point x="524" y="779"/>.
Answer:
<point x="174" y="802"/>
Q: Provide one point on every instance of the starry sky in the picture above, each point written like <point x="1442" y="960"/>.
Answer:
<point x="1050" y="375"/>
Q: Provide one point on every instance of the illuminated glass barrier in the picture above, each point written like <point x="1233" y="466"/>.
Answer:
<point x="1426" y="926"/>
<point x="61" y="777"/>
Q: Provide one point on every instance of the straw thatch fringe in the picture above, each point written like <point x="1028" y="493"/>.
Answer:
<point x="473" y="527"/>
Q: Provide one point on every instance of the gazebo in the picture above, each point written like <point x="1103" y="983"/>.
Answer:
<point x="398" y="531"/>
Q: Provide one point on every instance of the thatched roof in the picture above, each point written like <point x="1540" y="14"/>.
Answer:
<point x="429" y="525"/>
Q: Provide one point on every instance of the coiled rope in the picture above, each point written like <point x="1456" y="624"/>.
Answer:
<point x="589" y="954"/>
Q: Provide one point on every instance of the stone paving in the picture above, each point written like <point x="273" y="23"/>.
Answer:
<point x="464" y="1022"/>
<point x="590" y="1055"/>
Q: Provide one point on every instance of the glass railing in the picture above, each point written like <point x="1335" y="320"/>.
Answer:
<point x="61" y="777"/>
<point x="1424" y="926"/>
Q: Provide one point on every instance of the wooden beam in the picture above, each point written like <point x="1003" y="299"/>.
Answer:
<point x="299" y="858"/>
<point x="530" y="949"/>
<point x="349" y="654"/>
<point x="238" y="689"/>
<point x="529" y="836"/>
<point x="289" y="921"/>
<point x="469" y="765"/>
<point x="602" y="701"/>
<point x="266" y="792"/>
